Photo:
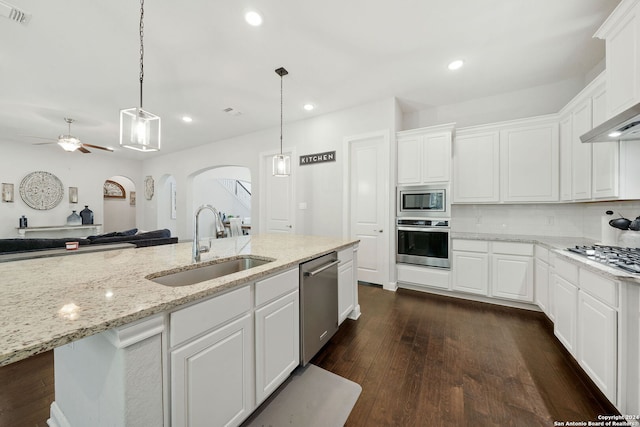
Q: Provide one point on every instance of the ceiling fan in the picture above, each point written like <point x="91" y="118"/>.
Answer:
<point x="71" y="143"/>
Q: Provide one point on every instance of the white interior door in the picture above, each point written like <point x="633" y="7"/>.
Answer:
<point x="368" y="204"/>
<point x="277" y="198"/>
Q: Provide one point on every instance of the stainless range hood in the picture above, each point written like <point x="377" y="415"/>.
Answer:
<point x="623" y="127"/>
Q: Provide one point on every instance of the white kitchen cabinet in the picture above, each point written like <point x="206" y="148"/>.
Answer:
<point x="211" y="377"/>
<point x="424" y="155"/>
<point x="277" y="343"/>
<point x="566" y="142"/>
<point x="565" y="296"/>
<point x="470" y="266"/>
<point x="541" y="279"/>
<point x="581" y="153"/>
<point x="605" y="155"/>
<point x="621" y="32"/>
<point x="597" y="342"/>
<point x="347" y="284"/>
<point x="529" y="161"/>
<point x="277" y="331"/>
<point x="476" y="166"/>
<point x="512" y="271"/>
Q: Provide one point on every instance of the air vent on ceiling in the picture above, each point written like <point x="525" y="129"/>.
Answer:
<point x="13" y="13"/>
<point x="232" y="111"/>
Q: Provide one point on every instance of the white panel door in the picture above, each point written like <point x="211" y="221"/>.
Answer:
<point x="470" y="272"/>
<point x="436" y="158"/>
<point x="541" y="280"/>
<point x="369" y="205"/>
<point x="512" y="277"/>
<point x="409" y="159"/>
<point x="566" y="160"/>
<point x="623" y="51"/>
<point x="606" y="163"/>
<point x="565" y="307"/>
<point x="278" y="199"/>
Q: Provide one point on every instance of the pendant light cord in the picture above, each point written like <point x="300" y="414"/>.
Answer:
<point x="281" y="77"/>
<point x="141" y="48"/>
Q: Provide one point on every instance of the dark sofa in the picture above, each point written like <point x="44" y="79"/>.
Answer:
<point x="150" y="238"/>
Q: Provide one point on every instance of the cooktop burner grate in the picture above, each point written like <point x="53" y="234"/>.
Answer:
<point x="626" y="259"/>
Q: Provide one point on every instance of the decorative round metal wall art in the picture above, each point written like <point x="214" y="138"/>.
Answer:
<point x="41" y="190"/>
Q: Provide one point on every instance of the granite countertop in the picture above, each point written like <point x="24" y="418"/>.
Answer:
<point x="48" y="302"/>
<point x="559" y="247"/>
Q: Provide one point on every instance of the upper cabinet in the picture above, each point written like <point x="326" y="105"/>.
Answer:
<point x="621" y="32"/>
<point x="510" y="162"/>
<point x="424" y="155"/>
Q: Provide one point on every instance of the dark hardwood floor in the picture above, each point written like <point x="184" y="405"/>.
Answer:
<point x="26" y="391"/>
<point x="426" y="360"/>
<point x="421" y="359"/>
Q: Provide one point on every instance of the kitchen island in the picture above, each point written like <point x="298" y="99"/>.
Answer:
<point x="116" y="319"/>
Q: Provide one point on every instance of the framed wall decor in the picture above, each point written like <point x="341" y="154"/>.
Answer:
<point x="7" y="192"/>
<point x="113" y="190"/>
<point x="41" y="190"/>
<point x="73" y="194"/>
<point x="148" y="187"/>
<point x="132" y="198"/>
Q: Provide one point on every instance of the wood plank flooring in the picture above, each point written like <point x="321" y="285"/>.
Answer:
<point x="426" y="360"/>
<point x="422" y="360"/>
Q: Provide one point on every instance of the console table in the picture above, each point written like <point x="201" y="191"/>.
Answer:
<point x="60" y="231"/>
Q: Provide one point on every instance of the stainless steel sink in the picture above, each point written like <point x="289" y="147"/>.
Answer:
<point x="200" y="273"/>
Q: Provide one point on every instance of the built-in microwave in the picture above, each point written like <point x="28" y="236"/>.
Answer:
<point x="423" y="201"/>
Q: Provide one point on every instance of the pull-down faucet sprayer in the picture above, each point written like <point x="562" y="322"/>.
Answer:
<point x="197" y="249"/>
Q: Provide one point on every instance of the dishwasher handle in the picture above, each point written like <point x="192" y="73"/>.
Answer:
<point x="321" y="269"/>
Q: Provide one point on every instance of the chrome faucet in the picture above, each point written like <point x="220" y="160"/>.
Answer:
<point x="197" y="249"/>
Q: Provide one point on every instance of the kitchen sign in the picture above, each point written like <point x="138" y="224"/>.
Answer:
<point x="308" y="159"/>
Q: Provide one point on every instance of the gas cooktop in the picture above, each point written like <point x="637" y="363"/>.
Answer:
<point x="627" y="259"/>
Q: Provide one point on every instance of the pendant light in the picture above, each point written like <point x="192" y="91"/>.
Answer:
<point x="281" y="163"/>
<point x="140" y="129"/>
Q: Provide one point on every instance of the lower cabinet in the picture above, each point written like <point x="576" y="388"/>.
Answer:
<point x="210" y="377"/>
<point x="501" y="270"/>
<point x="229" y="353"/>
<point x="565" y="312"/>
<point x="541" y="279"/>
<point x="470" y="266"/>
<point x="277" y="343"/>
<point x="346" y="284"/>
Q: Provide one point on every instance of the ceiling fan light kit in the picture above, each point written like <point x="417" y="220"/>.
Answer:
<point x="281" y="162"/>
<point x="140" y="129"/>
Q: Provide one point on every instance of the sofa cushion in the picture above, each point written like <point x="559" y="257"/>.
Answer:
<point x="22" y="245"/>
<point x="156" y="234"/>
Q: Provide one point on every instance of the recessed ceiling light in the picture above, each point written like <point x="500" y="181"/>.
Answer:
<point x="456" y="65"/>
<point x="309" y="107"/>
<point x="253" y="18"/>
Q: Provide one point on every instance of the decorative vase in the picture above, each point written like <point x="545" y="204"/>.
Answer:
<point x="87" y="215"/>
<point x="23" y="221"/>
<point x="74" y="219"/>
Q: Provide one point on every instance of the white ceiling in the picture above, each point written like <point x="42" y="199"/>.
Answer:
<point x="80" y="59"/>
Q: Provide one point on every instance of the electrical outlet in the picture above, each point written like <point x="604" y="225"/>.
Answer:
<point x="550" y="220"/>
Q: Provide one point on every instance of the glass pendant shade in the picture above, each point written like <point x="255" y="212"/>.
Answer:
<point x="139" y="130"/>
<point x="281" y="165"/>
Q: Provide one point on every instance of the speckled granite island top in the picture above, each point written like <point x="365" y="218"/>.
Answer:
<point x="559" y="246"/>
<point x="49" y="302"/>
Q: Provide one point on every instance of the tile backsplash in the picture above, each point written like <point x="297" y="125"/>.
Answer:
<point x="561" y="219"/>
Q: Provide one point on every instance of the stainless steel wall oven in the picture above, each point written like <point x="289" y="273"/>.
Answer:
<point x="423" y="242"/>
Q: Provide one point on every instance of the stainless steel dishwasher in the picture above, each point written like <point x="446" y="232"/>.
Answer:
<point x="318" y="304"/>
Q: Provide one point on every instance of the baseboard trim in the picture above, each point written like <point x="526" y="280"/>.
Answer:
<point x="57" y="417"/>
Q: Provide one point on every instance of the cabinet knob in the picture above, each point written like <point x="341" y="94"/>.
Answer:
<point x="379" y="231"/>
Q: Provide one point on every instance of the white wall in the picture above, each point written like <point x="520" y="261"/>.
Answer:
<point x="535" y="101"/>
<point x="118" y="214"/>
<point x="321" y="186"/>
<point x="85" y="171"/>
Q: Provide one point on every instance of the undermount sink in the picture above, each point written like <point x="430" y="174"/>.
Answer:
<point x="209" y="271"/>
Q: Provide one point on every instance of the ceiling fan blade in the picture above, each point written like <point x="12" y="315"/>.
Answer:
<point x="83" y="150"/>
<point x="35" y="137"/>
<point x="98" y="147"/>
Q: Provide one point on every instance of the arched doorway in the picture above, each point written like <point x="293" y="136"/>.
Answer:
<point x="119" y="204"/>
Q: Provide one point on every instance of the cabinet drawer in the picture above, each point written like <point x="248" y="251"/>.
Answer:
<point x="599" y="287"/>
<point x="470" y="245"/>
<point x="196" y="319"/>
<point x="542" y="253"/>
<point x="273" y="287"/>
<point x="345" y="255"/>
<point x="512" y="248"/>
<point x="566" y="270"/>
